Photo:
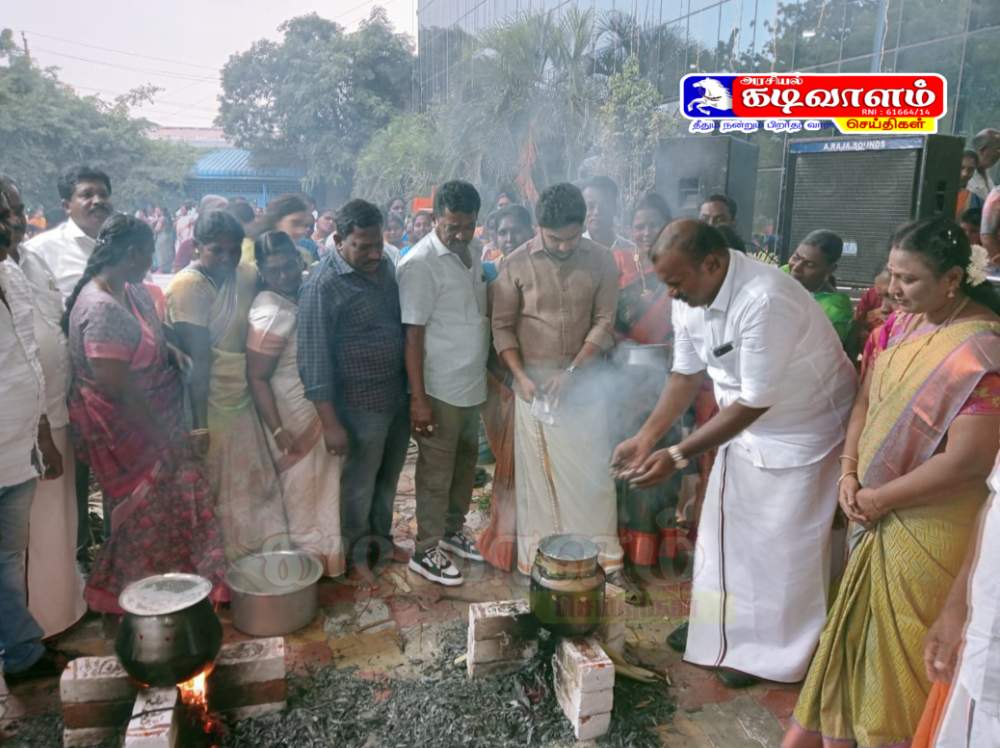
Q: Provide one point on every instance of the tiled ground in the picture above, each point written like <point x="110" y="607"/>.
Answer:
<point x="391" y="630"/>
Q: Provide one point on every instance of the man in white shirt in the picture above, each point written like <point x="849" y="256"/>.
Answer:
<point x="963" y="645"/>
<point x="25" y="446"/>
<point x="785" y="389"/>
<point x="986" y="144"/>
<point x="442" y="292"/>
<point x="86" y="198"/>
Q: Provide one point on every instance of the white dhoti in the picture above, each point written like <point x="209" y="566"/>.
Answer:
<point x="762" y="565"/>
<point x="967" y="723"/>
<point x="564" y="483"/>
<point x="55" y="587"/>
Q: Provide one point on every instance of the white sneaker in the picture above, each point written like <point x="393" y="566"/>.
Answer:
<point x="461" y="545"/>
<point x="437" y="567"/>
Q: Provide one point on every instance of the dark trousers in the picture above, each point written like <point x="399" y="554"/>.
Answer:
<point x="368" y="480"/>
<point x="446" y="472"/>
<point x="83" y="537"/>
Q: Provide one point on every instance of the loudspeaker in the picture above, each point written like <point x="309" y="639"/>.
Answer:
<point x="689" y="169"/>
<point x="862" y="189"/>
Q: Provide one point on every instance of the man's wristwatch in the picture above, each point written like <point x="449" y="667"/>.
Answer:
<point x="675" y="454"/>
<point x="571" y="369"/>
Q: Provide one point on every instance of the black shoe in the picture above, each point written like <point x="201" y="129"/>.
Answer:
<point x="678" y="638"/>
<point x="736" y="679"/>
<point x="461" y="545"/>
<point x="49" y="665"/>
<point x="437" y="567"/>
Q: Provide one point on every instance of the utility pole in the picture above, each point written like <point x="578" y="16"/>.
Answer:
<point x="24" y="42"/>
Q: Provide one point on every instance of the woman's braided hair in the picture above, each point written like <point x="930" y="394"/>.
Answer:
<point x="119" y="234"/>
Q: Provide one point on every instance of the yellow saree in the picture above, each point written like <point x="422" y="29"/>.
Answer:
<point x="867" y="683"/>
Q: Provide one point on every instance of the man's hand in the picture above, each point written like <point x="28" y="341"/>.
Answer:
<point x="629" y="456"/>
<point x="526" y="388"/>
<point x="421" y="416"/>
<point x="286" y="441"/>
<point x="335" y="439"/>
<point x="657" y="468"/>
<point x="944" y="639"/>
<point x="555" y="387"/>
<point x="50" y="456"/>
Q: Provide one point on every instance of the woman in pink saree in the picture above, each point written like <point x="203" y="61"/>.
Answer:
<point x="126" y="412"/>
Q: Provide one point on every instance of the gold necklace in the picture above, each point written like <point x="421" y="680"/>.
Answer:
<point x="639" y="269"/>
<point x="927" y="341"/>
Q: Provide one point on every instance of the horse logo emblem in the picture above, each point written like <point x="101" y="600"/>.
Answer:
<point x="715" y="95"/>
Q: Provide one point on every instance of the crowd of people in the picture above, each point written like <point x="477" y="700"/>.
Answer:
<point x="267" y="395"/>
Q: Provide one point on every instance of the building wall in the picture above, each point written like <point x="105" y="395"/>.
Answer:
<point x="958" y="38"/>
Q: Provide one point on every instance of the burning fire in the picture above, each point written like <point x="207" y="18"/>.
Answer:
<point x="194" y="692"/>
<point x="194" y="695"/>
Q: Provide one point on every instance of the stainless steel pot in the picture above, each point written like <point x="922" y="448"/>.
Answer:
<point x="169" y="632"/>
<point x="652" y="355"/>
<point x="274" y="593"/>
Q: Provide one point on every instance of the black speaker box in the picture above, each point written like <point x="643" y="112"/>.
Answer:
<point x="689" y="169"/>
<point x="862" y="189"/>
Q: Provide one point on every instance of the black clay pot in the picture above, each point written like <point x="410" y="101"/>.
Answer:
<point x="567" y="585"/>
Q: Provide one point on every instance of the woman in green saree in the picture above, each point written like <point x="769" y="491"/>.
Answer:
<point x="207" y="306"/>
<point x="921" y="441"/>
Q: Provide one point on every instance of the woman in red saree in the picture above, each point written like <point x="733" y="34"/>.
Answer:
<point x="646" y="522"/>
<point x="126" y="412"/>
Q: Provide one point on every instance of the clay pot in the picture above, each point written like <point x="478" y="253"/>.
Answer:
<point x="567" y="585"/>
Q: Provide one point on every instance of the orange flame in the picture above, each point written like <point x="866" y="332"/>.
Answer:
<point x="194" y="692"/>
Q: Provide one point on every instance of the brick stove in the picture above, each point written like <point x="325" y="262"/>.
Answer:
<point x="100" y="700"/>
<point x="503" y="636"/>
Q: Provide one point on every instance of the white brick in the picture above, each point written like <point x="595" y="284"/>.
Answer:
<point x="250" y="661"/>
<point x="486" y="669"/>
<point x="575" y="703"/>
<point x="614" y="602"/>
<point x="87" y="736"/>
<point x="88" y="679"/>
<point x="593" y="727"/>
<point x="155" y="719"/>
<point x="586" y="663"/>
<point x="502" y="647"/>
<point x="488" y="620"/>
<point x="611" y="635"/>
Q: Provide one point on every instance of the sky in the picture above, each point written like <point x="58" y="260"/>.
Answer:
<point x="179" y="45"/>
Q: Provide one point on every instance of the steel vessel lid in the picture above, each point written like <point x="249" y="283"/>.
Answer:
<point x="164" y="594"/>
<point x="569" y="548"/>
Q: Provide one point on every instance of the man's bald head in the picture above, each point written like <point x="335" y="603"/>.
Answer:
<point x="692" y="238"/>
<point x="691" y="258"/>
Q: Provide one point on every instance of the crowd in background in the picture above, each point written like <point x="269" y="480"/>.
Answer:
<point x="261" y="390"/>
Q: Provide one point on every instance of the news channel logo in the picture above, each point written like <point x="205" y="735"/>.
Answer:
<point x="707" y="96"/>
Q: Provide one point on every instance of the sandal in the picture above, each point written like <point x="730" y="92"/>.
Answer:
<point x="634" y="595"/>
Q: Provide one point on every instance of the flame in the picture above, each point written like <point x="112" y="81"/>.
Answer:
<point x="194" y="692"/>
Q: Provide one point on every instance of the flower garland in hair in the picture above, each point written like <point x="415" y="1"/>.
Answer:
<point x="975" y="272"/>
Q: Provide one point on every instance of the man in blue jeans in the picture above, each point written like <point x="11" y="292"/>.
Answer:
<point x="26" y="448"/>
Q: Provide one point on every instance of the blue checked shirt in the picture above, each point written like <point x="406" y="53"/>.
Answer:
<point x="350" y="337"/>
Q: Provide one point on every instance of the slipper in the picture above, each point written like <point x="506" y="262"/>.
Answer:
<point x="634" y="595"/>
<point x="736" y="679"/>
<point x="678" y="638"/>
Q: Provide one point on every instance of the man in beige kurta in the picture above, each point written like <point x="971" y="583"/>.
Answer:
<point x="553" y="318"/>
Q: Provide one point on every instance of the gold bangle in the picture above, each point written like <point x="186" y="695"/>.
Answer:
<point x="848" y="457"/>
<point x="199" y="432"/>
<point x="846" y="475"/>
<point x="278" y="431"/>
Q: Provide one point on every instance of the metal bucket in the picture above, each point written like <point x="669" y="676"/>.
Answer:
<point x="274" y="593"/>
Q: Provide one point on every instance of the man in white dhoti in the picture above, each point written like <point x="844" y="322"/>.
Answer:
<point x="553" y="316"/>
<point x="972" y="715"/>
<point x="785" y="388"/>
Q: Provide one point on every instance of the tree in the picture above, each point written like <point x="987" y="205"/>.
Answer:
<point x="402" y="159"/>
<point x="317" y="97"/>
<point x="45" y="128"/>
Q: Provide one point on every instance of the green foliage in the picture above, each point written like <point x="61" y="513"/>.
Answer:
<point x="402" y="159"/>
<point x="316" y="98"/>
<point x="45" y="128"/>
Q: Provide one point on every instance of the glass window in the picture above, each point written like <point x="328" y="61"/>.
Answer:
<point x="674" y="9"/>
<point x="978" y="103"/>
<point x="859" y="28"/>
<point x="985" y="13"/>
<point x="697" y="5"/>
<point x="932" y="19"/>
<point x="703" y="38"/>
<point x="765" y="201"/>
<point x="729" y="37"/>
<point x="857" y="65"/>
<point x="818" y="33"/>
<point x="943" y="57"/>
<point x="672" y="42"/>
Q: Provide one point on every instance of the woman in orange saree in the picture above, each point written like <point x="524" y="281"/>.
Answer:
<point x="921" y="441"/>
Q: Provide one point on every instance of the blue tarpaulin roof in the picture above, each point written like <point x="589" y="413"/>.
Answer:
<point x="235" y="163"/>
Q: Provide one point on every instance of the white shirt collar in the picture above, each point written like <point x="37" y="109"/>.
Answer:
<point x="724" y="297"/>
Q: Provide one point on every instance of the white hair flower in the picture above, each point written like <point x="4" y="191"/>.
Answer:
<point x="978" y="264"/>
